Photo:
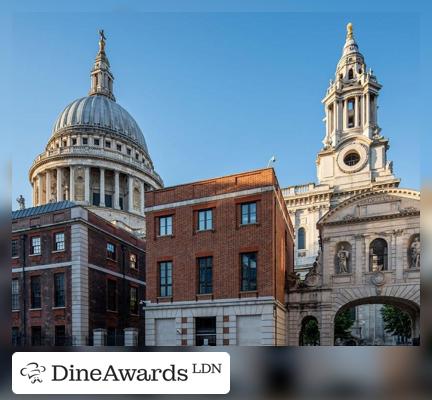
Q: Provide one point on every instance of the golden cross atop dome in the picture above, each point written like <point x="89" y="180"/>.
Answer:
<point x="102" y="39"/>
<point x="349" y="30"/>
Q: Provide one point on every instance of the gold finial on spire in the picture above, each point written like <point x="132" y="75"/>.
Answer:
<point x="102" y="39"/>
<point x="349" y="30"/>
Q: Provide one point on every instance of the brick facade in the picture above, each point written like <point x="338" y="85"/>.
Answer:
<point x="270" y="238"/>
<point x="86" y="271"/>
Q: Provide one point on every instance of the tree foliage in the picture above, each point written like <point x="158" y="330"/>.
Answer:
<point x="343" y="324"/>
<point x="310" y="335"/>
<point x="396" y="322"/>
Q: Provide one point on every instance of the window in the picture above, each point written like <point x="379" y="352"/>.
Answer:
<point x="351" y="113"/>
<point x="112" y="295"/>
<point x="111" y="251"/>
<point x="205" y="220"/>
<point x="205" y="267"/>
<point x="14" y="248"/>
<point x="133" y="299"/>
<point x="351" y="159"/>
<point x="108" y="200"/>
<point x="205" y="331"/>
<point x="96" y="199"/>
<point x="301" y="239"/>
<point x="59" y="241"/>
<point x="132" y="261"/>
<point x="84" y="140"/>
<point x="165" y="278"/>
<point x="35" y="246"/>
<point x="119" y="147"/>
<point x="107" y="144"/>
<point x="60" y="335"/>
<point x="350" y="74"/>
<point x="165" y="226"/>
<point x="128" y="151"/>
<point x="64" y="143"/>
<point x="96" y="142"/>
<point x="74" y="141"/>
<point x="249" y="268"/>
<point x="248" y="213"/>
<point x="36" y="336"/>
<point x="136" y="156"/>
<point x="59" y="290"/>
<point x="35" y="288"/>
<point x="15" y="295"/>
<point x="378" y="255"/>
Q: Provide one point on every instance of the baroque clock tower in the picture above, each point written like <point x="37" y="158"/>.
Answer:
<point x="354" y="153"/>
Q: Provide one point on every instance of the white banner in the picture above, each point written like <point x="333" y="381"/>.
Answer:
<point x="120" y="373"/>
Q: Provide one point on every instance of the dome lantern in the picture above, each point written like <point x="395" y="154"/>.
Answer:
<point x="101" y="76"/>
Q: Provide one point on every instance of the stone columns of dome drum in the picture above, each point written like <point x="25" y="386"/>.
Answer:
<point x="48" y="186"/>
<point x="130" y="193"/>
<point x="87" y="185"/>
<point x="59" y="184"/>
<point x="142" y="197"/>
<point x="116" y="190"/>
<point x="40" y="189"/>
<point x="72" y="183"/>
<point x="102" y="187"/>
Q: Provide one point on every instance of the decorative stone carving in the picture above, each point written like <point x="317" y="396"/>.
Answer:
<point x="385" y="198"/>
<point x="415" y="250"/>
<point x="21" y="202"/>
<point x="342" y="259"/>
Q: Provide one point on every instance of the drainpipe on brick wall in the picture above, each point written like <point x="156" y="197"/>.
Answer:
<point x="275" y="267"/>
<point x="24" y="289"/>
<point x="124" y="291"/>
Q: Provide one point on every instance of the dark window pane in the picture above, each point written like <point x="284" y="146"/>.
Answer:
<point x="36" y="336"/>
<point x="35" y="288"/>
<point x="205" y="331"/>
<point x="60" y="335"/>
<point x="59" y="241"/>
<point x="14" y="248"/>
<point x="59" y="290"/>
<point x="96" y="199"/>
<point x="249" y="274"/>
<point x="15" y="294"/>
<point x="205" y="266"/>
<point x="165" y="278"/>
<point x="108" y="200"/>
<point x="133" y="300"/>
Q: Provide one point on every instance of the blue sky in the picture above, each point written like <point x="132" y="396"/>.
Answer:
<point x="214" y="92"/>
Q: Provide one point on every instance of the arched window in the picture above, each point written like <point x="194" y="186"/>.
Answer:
<point x="309" y="334"/>
<point x="378" y="255"/>
<point x="350" y="74"/>
<point x="301" y="239"/>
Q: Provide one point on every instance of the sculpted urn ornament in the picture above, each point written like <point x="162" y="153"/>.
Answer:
<point x="342" y="258"/>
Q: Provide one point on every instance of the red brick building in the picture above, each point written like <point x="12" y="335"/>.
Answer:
<point x="76" y="278"/>
<point x="218" y="252"/>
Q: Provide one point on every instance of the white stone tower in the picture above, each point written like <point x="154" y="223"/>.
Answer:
<point x="354" y="153"/>
<point x="353" y="158"/>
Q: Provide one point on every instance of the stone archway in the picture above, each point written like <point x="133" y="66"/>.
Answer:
<point x="407" y="305"/>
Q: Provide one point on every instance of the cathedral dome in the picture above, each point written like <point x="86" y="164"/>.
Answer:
<point x="101" y="113"/>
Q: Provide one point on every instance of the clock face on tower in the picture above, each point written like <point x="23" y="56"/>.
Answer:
<point x="352" y="157"/>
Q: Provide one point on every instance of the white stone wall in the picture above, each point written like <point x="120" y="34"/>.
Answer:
<point x="79" y="278"/>
<point x="271" y="315"/>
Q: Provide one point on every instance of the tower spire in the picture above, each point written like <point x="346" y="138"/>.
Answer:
<point x="101" y="76"/>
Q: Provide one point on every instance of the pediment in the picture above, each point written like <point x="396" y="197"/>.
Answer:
<point x="374" y="205"/>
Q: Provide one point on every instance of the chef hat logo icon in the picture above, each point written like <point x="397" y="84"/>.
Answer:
<point x="33" y="371"/>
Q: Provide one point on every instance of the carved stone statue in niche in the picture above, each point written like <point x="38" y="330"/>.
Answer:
<point x="415" y="253"/>
<point x="342" y="260"/>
